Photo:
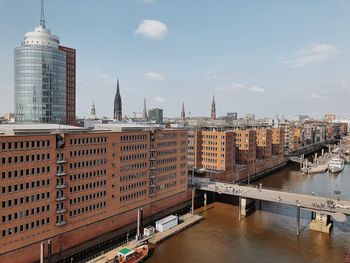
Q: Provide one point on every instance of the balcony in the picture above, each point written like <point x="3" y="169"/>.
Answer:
<point x="152" y="176"/>
<point x="152" y="194"/>
<point x="61" y="198"/>
<point x="152" y="185"/>
<point x="61" y="186"/>
<point x="152" y="158"/>
<point x="152" y="168"/>
<point x="61" y="173"/>
<point x="61" y="211"/>
<point x="153" y="149"/>
<point x="62" y="223"/>
<point x="60" y="161"/>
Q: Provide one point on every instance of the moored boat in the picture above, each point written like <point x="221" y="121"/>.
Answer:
<point x="136" y="255"/>
<point x="336" y="165"/>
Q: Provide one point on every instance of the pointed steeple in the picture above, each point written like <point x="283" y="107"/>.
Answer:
<point x="144" y="113"/>
<point x="213" y="109"/>
<point x="118" y="104"/>
<point x="183" y="114"/>
<point x="42" y="17"/>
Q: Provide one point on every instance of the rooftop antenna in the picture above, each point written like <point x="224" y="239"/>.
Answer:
<point x="42" y="17"/>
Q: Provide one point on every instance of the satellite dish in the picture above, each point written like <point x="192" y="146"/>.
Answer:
<point x="339" y="217"/>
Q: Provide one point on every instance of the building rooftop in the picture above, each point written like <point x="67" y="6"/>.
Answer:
<point x="36" y="128"/>
<point x="125" y="126"/>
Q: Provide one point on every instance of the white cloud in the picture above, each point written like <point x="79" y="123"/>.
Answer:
<point x="239" y="87"/>
<point x="311" y="54"/>
<point x="153" y="76"/>
<point x="315" y="96"/>
<point x="152" y="29"/>
<point x="257" y="89"/>
<point x="158" y="99"/>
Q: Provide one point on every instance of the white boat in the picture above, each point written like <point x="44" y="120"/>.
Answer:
<point x="336" y="165"/>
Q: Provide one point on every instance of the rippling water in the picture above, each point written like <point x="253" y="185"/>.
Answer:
<point x="268" y="235"/>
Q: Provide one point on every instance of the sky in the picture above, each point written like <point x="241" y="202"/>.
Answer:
<point x="264" y="57"/>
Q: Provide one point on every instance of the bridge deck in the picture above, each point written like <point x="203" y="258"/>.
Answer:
<point x="311" y="202"/>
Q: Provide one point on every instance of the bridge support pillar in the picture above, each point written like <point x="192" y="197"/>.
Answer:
<point x="321" y="222"/>
<point x="205" y="198"/>
<point x="298" y="219"/>
<point x="246" y="207"/>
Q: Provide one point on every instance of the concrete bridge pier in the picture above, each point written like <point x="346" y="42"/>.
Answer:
<point x="246" y="206"/>
<point x="205" y="198"/>
<point x="321" y="222"/>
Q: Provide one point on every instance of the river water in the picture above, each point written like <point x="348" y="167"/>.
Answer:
<point x="268" y="235"/>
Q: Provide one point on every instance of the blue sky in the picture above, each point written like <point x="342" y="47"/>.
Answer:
<point x="267" y="57"/>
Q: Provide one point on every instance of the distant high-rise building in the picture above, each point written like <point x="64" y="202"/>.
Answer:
<point x="118" y="104"/>
<point x="183" y="114"/>
<point x="70" y="84"/>
<point x="155" y="115"/>
<point x="231" y="116"/>
<point x="213" y="109"/>
<point x="93" y="109"/>
<point x="144" y="113"/>
<point x="330" y="117"/>
<point x="44" y="78"/>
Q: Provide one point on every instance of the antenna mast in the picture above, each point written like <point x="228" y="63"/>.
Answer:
<point x="42" y="17"/>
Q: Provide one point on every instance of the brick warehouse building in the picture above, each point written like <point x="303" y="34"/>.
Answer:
<point x="71" y="185"/>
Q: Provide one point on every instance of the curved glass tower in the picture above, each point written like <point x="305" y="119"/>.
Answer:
<point x="40" y="78"/>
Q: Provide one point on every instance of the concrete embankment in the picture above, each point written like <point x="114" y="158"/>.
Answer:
<point x="187" y="221"/>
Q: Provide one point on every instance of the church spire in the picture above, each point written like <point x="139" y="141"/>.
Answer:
<point x="42" y="17"/>
<point x="144" y="113"/>
<point x="183" y="114"/>
<point x="213" y="109"/>
<point x="118" y="104"/>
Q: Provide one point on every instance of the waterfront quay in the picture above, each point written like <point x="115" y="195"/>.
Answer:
<point x="187" y="221"/>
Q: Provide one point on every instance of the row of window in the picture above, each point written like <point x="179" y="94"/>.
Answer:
<point x="133" y="176"/>
<point x="24" y="186"/>
<point x="166" y="152"/>
<point x="166" y="177"/>
<point x="34" y="224"/>
<point x="133" y="186"/>
<point x="25" y="158"/>
<point x="87" y="152"/>
<point x="133" y="157"/>
<point x="167" y="160"/>
<point x="27" y="172"/>
<point x="166" y="186"/>
<point x="166" y="144"/>
<point x="84" y="141"/>
<point x="87" y="209"/>
<point x="25" y="213"/>
<point x="21" y="200"/>
<point x="133" y="147"/>
<point x="167" y="136"/>
<point x="83" y="164"/>
<point x="134" y="166"/>
<point x="88" y="197"/>
<point x="25" y="145"/>
<point x="166" y="168"/>
<point x="87" y="175"/>
<point x="126" y="138"/>
<point x="87" y="186"/>
<point x="134" y="195"/>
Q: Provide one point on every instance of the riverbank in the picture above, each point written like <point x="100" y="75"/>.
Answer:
<point x="187" y="221"/>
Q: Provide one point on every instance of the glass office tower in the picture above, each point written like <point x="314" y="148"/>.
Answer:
<point x="40" y="79"/>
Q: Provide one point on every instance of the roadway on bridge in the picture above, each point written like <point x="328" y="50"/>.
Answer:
<point x="311" y="202"/>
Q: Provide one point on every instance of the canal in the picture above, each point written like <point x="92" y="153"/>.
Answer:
<point x="268" y="235"/>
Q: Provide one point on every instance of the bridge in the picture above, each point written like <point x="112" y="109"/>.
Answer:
<point x="322" y="208"/>
<point x="311" y="148"/>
